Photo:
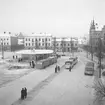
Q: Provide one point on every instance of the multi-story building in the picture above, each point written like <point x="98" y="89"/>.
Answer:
<point x="19" y="41"/>
<point x="38" y="41"/>
<point x="9" y="42"/>
<point x="95" y="34"/>
<point x="65" y="44"/>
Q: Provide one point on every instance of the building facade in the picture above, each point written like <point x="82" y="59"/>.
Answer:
<point x="9" y="42"/>
<point x="38" y="41"/>
<point x="95" y="35"/>
<point x="64" y="44"/>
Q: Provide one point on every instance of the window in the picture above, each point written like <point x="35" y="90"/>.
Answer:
<point x="39" y="39"/>
<point x="49" y="39"/>
<point x="7" y="38"/>
<point x="49" y="44"/>
<point x="32" y="44"/>
<point x="29" y="44"/>
<point x="26" y="39"/>
<point x="32" y="40"/>
<point x="7" y="43"/>
<point x="29" y="39"/>
<point x="26" y="44"/>
<point x="68" y="44"/>
<point x="42" y="40"/>
<point x="46" y="39"/>
<point x="4" y="43"/>
<point x="43" y="44"/>
<point x="39" y="44"/>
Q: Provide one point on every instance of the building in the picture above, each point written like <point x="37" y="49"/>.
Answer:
<point x="10" y="42"/>
<point x="65" y="44"/>
<point x="95" y="35"/>
<point x="38" y="41"/>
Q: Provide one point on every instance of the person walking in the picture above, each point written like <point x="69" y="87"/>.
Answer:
<point x="25" y="92"/>
<point x="58" y="68"/>
<point x="70" y="69"/>
<point x="22" y="93"/>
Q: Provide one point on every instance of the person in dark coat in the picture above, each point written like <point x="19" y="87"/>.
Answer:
<point x="22" y="93"/>
<point x="70" y="69"/>
<point x="25" y="92"/>
<point x="58" y="68"/>
<point x="30" y="63"/>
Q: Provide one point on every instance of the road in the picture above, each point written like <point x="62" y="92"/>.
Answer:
<point x="46" y="87"/>
<point x="66" y="88"/>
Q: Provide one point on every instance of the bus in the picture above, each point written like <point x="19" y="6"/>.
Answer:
<point x="71" y="62"/>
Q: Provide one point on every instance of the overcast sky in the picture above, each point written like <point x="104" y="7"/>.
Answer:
<point x="58" y="17"/>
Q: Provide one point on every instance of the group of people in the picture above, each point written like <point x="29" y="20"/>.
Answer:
<point x="32" y="64"/>
<point x="24" y="93"/>
<point x="57" y="68"/>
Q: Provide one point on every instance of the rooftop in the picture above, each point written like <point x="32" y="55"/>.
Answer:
<point x="34" y="51"/>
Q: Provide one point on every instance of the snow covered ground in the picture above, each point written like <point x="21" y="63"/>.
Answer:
<point x="11" y="91"/>
<point x="66" y="88"/>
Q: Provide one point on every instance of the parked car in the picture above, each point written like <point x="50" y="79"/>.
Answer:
<point x="89" y="68"/>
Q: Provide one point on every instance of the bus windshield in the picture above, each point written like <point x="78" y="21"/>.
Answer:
<point x="68" y="62"/>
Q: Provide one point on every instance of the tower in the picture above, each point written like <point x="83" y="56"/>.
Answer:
<point x="92" y="31"/>
<point x="91" y="37"/>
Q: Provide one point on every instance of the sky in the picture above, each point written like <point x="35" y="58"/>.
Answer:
<point x="58" y="17"/>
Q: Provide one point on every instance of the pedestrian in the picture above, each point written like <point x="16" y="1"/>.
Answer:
<point x="25" y="92"/>
<point x="22" y="93"/>
<point x="13" y="57"/>
<point x="30" y="63"/>
<point x="70" y="69"/>
<point x="58" y="68"/>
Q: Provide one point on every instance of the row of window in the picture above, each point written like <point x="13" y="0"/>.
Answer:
<point x="4" y="39"/>
<point x="28" y="44"/>
<point x="65" y="44"/>
<point x="29" y="39"/>
<point x="5" y="43"/>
